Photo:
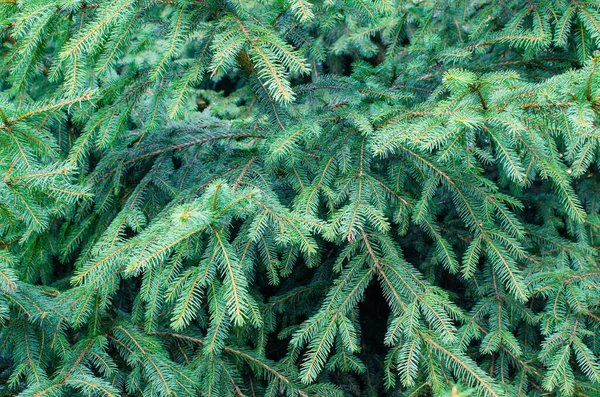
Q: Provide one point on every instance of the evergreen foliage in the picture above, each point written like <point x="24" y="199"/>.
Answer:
<point x="299" y="198"/>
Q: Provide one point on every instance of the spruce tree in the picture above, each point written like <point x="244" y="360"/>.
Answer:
<point x="299" y="198"/>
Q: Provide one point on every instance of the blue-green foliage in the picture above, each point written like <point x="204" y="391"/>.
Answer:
<point x="299" y="197"/>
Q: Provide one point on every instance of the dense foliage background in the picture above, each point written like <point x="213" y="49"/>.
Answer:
<point x="299" y="197"/>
